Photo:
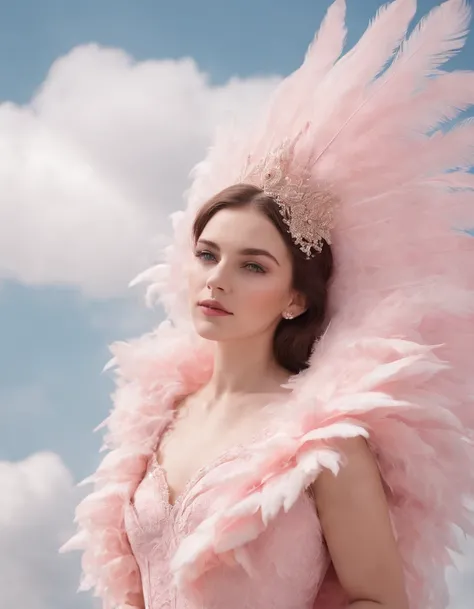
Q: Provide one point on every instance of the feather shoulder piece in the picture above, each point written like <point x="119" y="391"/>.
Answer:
<point x="153" y="373"/>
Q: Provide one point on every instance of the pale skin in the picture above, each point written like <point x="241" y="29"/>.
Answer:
<point x="256" y="288"/>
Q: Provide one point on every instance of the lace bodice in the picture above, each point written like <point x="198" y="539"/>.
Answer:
<point x="281" y="569"/>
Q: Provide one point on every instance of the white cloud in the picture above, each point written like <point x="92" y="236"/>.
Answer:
<point x="35" y="519"/>
<point x="461" y="577"/>
<point x="91" y="168"/>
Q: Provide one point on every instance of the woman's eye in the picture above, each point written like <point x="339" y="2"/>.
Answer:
<point x="206" y="256"/>
<point x="254" y="268"/>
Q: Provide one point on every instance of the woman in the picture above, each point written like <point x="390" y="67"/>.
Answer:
<point x="300" y="434"/>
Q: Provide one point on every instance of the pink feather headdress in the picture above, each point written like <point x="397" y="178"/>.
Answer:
<point x="370" y="127"/>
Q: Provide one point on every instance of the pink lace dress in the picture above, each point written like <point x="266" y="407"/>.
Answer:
<point x="283" y="567"/>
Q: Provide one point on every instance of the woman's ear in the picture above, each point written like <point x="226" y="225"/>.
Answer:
<point x="298" y="304"/>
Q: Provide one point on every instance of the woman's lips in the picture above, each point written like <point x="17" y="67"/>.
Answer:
<point x="213" y="310"/>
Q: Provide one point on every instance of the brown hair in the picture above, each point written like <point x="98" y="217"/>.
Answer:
<point x="294" y="339"/>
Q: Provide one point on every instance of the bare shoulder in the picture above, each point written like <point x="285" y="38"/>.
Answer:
<point x="356" y="524"/>
<point x="358" y="467"/>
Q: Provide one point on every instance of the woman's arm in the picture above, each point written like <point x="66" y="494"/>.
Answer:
<point x="136" y="601"/>
<point x="356" y="524"/>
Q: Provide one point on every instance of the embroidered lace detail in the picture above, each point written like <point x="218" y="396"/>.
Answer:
<point x="308" y="209"/>
<point x="286" y="559"/>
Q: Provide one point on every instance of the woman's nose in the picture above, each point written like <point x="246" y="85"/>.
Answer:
<point x="218" y="279"/>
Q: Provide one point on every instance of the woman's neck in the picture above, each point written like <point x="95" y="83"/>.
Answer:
<point x="245" y="367"/>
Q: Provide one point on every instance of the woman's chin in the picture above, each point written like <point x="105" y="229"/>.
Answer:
<point x="209" y="330"/>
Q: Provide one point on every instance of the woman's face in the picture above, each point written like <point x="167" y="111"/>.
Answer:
<point x="240" y="279"/>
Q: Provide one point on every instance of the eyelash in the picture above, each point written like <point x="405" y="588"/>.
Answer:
<point x="256" y="268"/>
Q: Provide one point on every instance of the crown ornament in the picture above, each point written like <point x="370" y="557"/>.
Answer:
<point x="307" y="208"/>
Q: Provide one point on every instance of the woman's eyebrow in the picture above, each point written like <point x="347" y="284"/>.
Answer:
<point x="255" y="251"/>
<point x="247" y="251"/>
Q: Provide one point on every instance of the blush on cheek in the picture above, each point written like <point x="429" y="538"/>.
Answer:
<point x="265" y="303"/>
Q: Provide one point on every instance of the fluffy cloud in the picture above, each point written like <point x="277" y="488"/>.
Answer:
<point x="461" y="577"/>
<point x="91" y="168"/>
<point x="35" y="519"/>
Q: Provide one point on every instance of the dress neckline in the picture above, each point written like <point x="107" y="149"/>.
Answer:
<point x="232" y="452"/>
<point x="158" y="472"/>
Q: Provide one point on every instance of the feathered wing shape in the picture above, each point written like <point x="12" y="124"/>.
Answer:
<point x="356" y="94"/>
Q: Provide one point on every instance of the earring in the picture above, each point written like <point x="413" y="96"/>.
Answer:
<point x="287" y="315"/>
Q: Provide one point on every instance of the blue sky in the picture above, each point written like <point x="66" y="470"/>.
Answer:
<point x="225" y="38"/>
<point x="54" y="333"/>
